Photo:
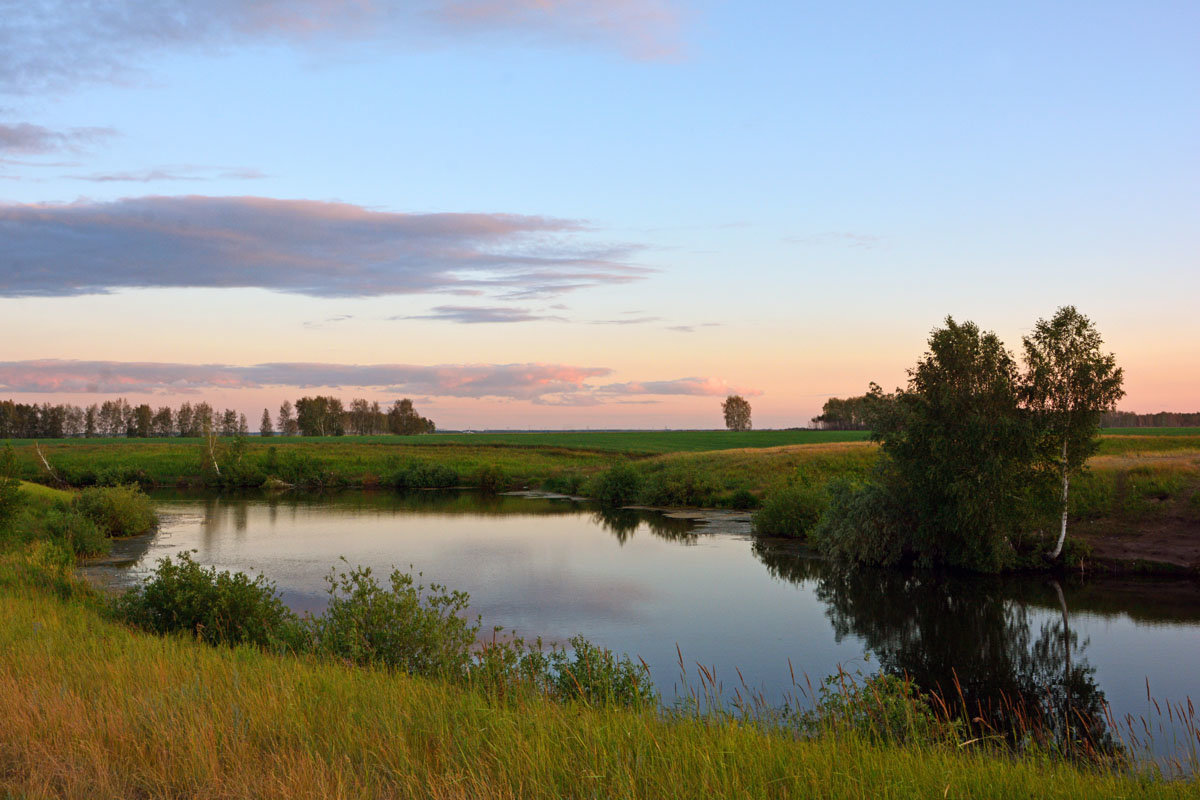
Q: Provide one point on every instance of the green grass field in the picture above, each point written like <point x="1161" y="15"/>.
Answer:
<point x="646" y="441"/>
<point x="679" y="468"/>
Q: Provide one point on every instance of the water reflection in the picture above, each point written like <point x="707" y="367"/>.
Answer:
<point x="231" y="511"/>
<point x="623" y="523"/>
<point x="976" y="641"/>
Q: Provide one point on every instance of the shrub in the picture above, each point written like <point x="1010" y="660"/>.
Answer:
<point x="564" y="483"/>
<point x="597" y="676"/>
<point x="678" y="490"/>
<point x="490" y="479"/>
<point x="583" y="673"/>
<point x="117" y="510"/>
<point x="882" y="708"/>
<point x="866" y="525"/>
<point x="395" y="626"/>
<point x="791" y="511"/>
<point x="216" y="607"/>
<point x="617" y="486"/>
<point x="423" y="475"/>
<point x="742" y="500"/>
<point x="79" y="532"/>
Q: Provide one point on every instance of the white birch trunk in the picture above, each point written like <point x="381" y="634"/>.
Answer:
<point x="1066" y="478"/>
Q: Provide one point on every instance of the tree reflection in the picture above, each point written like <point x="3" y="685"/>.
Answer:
<point x="623" y="523"/>
<point x="977" y="642"/>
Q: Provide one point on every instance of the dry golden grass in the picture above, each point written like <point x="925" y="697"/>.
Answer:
<point x="89" y="709"/>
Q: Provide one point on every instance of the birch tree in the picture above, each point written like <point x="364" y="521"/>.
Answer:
<point x="1069" y="384"/>
<point x="737" y="412"/>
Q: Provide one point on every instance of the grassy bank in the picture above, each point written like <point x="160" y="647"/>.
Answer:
<point x="90" y="709"/>
<point x="1132" y="476"/>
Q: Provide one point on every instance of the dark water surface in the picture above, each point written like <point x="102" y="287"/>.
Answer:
<point x="644" y="584"/>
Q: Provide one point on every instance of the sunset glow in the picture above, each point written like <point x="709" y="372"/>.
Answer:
<point x="585" y="214"/>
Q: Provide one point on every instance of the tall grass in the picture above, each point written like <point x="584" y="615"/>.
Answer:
<point x="91" y="709"/>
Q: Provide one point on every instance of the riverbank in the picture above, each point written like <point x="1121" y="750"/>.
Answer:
<point x="91" y="709"/>
<point x="1137" y="508"/>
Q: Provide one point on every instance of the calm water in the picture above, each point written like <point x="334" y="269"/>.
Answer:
<point x="646" y="585"/>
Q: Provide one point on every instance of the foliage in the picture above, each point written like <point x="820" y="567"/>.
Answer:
<point x="676" y="489"/>
<point x="619" y="485"/>
<point x="215" y="607"/>
<point x="791" y="510"/>
<point x="880" y="708"/>
<point x="737" y="412"/>
<point x="403" y="419"/>
<point x="597" y="676"/>
<point x="860" y="413"/>
<point x="396" y="626"/>
<point x="958" y="459"/>
<point x="10" y="485"/>
<point x="865" y="524"/>
<point x="489" y="479"/>
<point x="1069" y="384"/>
<point x="424" y="475"/>
<point x="64" y="522"/>
<point x="743" y="499"/>
<point x="320" y="416"/>
<point x="569" y="483"/>
<point x="117" y="510"/>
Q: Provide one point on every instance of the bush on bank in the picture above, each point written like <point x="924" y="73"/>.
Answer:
<point x="397" y="625"/>
<point x="792" y="510"/>
<point x="117" y="511"/>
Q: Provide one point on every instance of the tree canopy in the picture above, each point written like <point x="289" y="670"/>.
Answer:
<point x="972" y="448"/>
<point x="737" y="412"/>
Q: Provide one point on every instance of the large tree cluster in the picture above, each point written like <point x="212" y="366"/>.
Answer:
<point x="978" y="451"/>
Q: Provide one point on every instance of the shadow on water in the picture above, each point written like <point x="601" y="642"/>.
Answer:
<point x="971" y="640"/>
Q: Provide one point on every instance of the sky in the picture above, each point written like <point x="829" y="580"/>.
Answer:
<point x="585" y="213"/>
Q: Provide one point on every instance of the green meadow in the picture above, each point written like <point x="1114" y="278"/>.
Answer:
<point x="675" y="468"/>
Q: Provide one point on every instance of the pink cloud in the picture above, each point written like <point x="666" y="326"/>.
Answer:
<point x="708" y="387"/>
<point x="549" y="384"/>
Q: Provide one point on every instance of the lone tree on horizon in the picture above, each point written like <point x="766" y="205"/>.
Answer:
<point x="737" y="413"/>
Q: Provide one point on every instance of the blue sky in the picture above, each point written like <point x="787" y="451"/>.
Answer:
<point x="776" y="198"/>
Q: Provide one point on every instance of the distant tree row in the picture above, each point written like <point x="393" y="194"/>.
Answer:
<point x="310" y="416"/>
<point x="1163" y="419"/>
<point x="852" y="413"/>
<point x="860" y="414"/>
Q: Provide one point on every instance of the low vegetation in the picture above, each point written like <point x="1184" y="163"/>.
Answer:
<point x="391" y="692"/>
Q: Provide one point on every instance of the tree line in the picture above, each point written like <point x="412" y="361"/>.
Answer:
<point x="850" y="413"/>
<point x="1162" y="419"/>
<point x="861" y="413"/>
<point x="309" y="416"/>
